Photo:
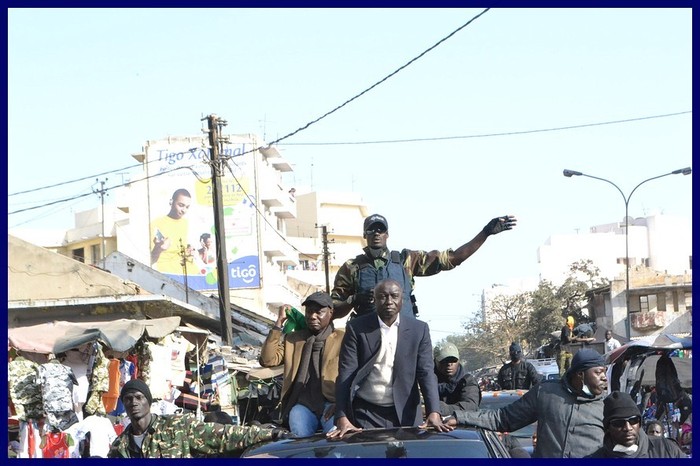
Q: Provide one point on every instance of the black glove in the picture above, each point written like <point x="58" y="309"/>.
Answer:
<point x="362" y="298"/>
<point x="499" y="224"/>
<point x="279" y="433"/>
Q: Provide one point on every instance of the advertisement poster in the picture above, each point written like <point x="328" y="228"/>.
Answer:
<point x="182" y="236"/>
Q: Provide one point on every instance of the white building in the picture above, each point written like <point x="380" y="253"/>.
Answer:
<point x="660" y="256"/>
<point x="660" y="242"/>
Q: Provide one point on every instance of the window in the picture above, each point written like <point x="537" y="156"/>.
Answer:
<point x="95" y="253"/>
<point x="648" y="303"/>
<point x="79" y="254"/>
<point x="688" y="301"/>
<point x="644" y="303"/>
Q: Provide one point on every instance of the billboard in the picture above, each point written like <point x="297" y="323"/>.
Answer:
<point x="182" y="237"/>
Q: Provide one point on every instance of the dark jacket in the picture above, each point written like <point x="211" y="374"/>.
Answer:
<point x="568" y="425"/>
<point x="413" y="367"/>
<point x="518" y="376"/>
<point x="459" y="392"/>
<point x="649" y="447"/>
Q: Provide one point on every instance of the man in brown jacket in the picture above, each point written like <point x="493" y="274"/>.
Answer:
<point x="310" y="359"/>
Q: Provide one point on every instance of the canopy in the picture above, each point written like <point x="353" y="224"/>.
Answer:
<point x="649" y="345"/>
<point x="59" y="336"/>
<point x="684" y="367"/>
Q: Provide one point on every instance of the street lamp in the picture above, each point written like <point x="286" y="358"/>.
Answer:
<point x="680" y="171"/>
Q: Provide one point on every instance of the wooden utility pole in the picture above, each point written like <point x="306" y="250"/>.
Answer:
<point x="102" y="191"/>
<point x="217" y="167"/>
<point x="326" y="255"/>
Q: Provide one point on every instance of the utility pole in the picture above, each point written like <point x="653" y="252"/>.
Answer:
<point x="185" y="255"/>
<point x="326" y="254"/>
<point x="102" y="191"/>
<point x="217" y="167"/>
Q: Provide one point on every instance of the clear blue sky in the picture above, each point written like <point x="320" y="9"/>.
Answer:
<point x="89" y="87"/>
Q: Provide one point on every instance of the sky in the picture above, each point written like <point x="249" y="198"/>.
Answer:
<point x="480" y="126"/>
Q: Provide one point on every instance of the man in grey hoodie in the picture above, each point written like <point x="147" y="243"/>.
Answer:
<point x="569" y="413"/>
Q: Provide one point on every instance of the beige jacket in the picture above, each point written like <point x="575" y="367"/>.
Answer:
<point x="278" y="349"/>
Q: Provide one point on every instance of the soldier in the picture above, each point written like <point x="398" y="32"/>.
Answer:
<point x="518" y="374"/>
<point x="182" y="436"/>
<point x="356" y="279"/>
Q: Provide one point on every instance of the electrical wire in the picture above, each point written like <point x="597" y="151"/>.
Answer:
<point x="189" y="167"/>
<point x="254" y="204"/>
<point x="398" y="141"/>
<point x="410" y="62"/>
<point x="488" y="135"/>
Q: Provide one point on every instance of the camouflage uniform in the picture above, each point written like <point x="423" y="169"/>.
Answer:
<point x="25" y="391"/>
<point x="181" y="436"/>
<point x="416" y="264"/>
<point x="57" y="382"/>
<point x="99" y="384"/>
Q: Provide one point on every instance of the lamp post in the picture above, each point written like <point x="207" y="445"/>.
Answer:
<point x="680" y="171"/>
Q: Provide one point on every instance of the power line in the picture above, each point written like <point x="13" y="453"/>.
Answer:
<point x="487" y="135"/>
<point x="381" y="80"/>
<point x="73" y="181"/>
<point x="190" y="167"/>
<point x="399" y="141"/>
<point x="254" y="205"/>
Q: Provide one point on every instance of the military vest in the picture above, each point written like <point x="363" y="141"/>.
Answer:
<point x="369" y="276"/>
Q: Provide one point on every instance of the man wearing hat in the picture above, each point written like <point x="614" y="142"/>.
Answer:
<point x="355" y="280"/>
<point x="179" y="436"/>
<point x="623" y="436"/>
<point x="518" y="374"/>
<point x="457" y="388"/>
<point x="310" y="358"/>
<point x="569" y="413"/>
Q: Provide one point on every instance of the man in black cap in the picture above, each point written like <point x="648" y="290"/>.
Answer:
<point x="356" y="279"/>
<point x="310" y="358"/>
<point x="518" y="373"/>
<point x="569" y="413"/>
<point x="179" y="436"/>
<point x="623" y="436"/>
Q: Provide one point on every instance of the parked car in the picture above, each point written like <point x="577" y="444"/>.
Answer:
<point x="547" y="368"/>
<point x="400" y="442"/>
<point x="499" y="399"/>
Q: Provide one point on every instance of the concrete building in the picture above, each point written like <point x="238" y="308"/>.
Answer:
<point x="660" y="257"/>
<point x="659" y="303"/>
<point x="659" y="242"/>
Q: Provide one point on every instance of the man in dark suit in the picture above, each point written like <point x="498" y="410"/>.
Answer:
<point x="383" y="361"/>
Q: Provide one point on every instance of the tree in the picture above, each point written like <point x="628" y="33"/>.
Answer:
<point x="529" y="318"/>
<point x="552" y="304"/>
<point x="506" y="321"/>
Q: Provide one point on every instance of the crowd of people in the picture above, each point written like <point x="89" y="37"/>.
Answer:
<point x="389" y="375"/>
<point x="383" y="371"/>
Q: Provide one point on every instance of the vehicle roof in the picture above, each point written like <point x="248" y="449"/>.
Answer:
<point x="366" y="436"/>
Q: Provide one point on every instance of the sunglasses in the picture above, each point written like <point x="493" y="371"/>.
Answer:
<point x="378" y="230"/>
<point x="620" y="423"/>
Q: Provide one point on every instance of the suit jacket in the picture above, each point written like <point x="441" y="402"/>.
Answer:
<point x="275" y="351"/>
<point x="413" y="367"/>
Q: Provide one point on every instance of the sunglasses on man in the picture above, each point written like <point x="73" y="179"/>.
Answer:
<point x="620" y="423"/>
<point x="377" y="230"/>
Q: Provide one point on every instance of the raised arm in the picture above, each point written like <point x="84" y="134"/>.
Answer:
<point x="495" y="226"/>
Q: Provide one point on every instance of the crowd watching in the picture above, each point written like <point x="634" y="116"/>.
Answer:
<point x="383" y="371"/>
